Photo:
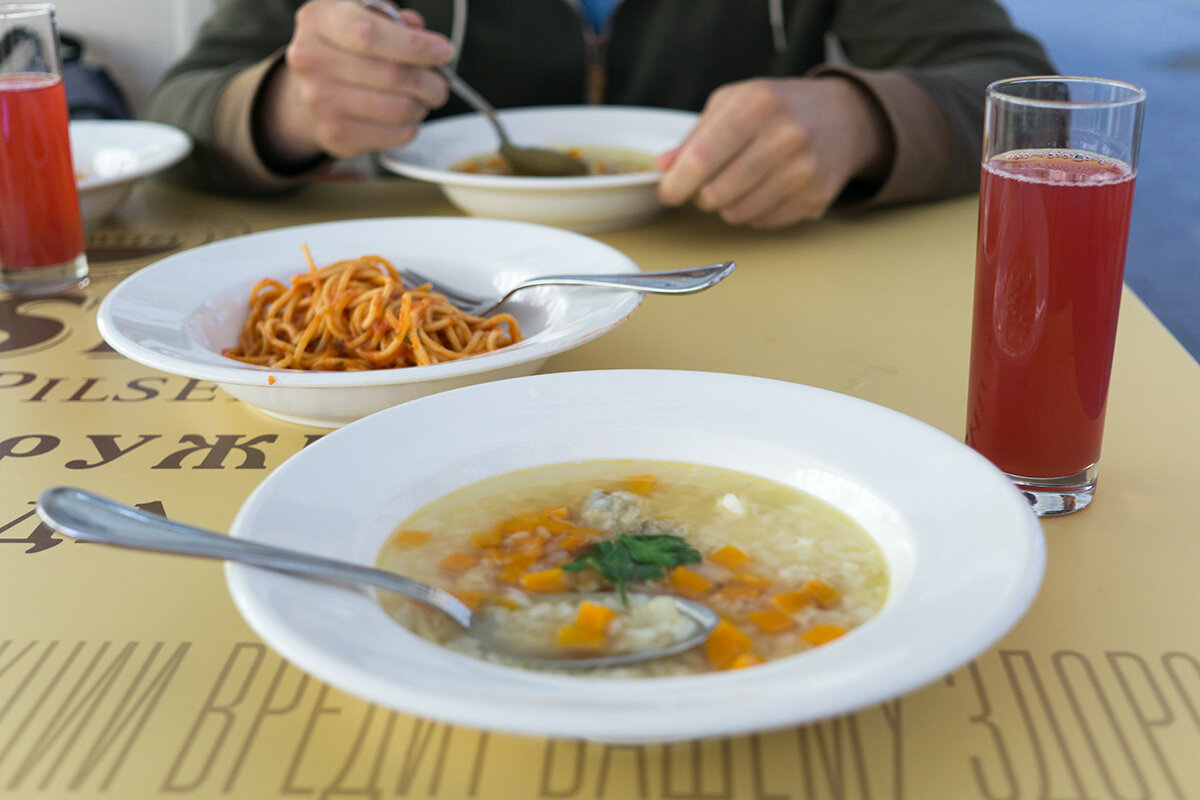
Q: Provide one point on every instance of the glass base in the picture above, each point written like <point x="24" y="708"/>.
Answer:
<point x="46" y="281"/>
<point x="1053" y="497"/>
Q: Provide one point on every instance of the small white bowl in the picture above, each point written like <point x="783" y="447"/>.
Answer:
<point x="111" y="155"/>
<point x="177" y="314"/>
<point x="588" y="204"/>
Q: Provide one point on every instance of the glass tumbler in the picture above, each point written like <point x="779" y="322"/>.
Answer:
<point x="41" y="230"/>
<point x="1059" y="165"/>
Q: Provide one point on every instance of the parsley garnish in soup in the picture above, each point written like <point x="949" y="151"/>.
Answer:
<point x="632" y="557"/>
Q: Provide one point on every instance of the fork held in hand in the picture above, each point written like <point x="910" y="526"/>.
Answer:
<point x="679" y="281"/>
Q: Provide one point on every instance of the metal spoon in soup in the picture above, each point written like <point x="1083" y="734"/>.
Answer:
<point x="90" y="517"/>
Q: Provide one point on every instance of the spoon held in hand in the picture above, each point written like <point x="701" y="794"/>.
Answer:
<point x="534" y="161"/>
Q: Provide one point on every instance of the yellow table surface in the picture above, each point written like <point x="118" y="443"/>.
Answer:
<point x="131" y="675"/>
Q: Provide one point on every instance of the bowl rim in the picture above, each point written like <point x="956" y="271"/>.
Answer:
<point x="170" y="146"/>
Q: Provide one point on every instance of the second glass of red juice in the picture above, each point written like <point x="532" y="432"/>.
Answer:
<point x="1059" y="165"/>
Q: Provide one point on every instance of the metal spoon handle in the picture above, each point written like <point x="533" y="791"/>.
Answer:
<point x="90" y="517"/>
<point x="476" y="101"/>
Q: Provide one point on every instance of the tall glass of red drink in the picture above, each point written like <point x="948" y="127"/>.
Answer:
<point x="1059" y="164"/>
<point x="41" y="230"/>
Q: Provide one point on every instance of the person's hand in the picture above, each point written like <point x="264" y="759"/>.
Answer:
<point x="352" y="81"/>
<point x="771" y="152"/>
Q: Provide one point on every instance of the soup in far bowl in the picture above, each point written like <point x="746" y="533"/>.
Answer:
<point x="599" y="161"/>
<point x="583" y="203"/>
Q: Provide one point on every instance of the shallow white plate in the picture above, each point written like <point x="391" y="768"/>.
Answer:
<point x="177" y="314"/>
<point x="590" y="203"/>
<point x="965" y="552"/>
<point x="110" y="156"/>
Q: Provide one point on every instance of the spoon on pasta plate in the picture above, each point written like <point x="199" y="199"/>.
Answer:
<point x="93" y="518"/>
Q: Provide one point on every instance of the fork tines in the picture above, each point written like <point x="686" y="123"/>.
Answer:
<point x="461" y="299"/>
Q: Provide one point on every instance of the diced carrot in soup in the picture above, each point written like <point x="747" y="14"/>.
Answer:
<point x="729" y="557"/>
<point x="571" y="541"/>
<point x="686" y="581"/>
<point x="725" y="644"/>
<point x="820" y="591"/>
<point x="554" y="519"/>
<point x="521" y="522"/>
<point x="822" y="634"/>
<point x="791" y="601"/>
<point x="577" y="637"/>
<point x="771" y="620"/>
<point x="515" y="568"/>
<point x="410" y="538"/>
<point x="555" y="525"/>
<point x="594" y="616"/>
<point x="546" y="580"/>
<point x="641" y="484"/>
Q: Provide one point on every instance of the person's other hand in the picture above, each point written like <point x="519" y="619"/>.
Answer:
<point x="767" y="153"/>
<point x="352" y="81"/>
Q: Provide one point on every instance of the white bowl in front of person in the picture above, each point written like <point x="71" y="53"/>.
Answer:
<point x="587" y="203"/>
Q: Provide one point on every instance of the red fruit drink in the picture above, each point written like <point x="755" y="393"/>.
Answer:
<point x="1053" y="229"/>
<point x="39" y="203"/>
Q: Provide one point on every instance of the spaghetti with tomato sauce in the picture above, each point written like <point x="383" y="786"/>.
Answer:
<point x="357" y="315"/>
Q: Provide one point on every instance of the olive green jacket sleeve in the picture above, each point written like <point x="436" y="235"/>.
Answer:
<point x="928" y="66"/>
<point x="211" y="95"/>
<point x="925" y="62"/>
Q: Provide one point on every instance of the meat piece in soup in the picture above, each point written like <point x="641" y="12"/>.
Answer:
<point x="785" y="570"/>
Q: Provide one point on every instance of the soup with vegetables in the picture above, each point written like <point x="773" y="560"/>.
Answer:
<point x="785" y="571"/>
<point x="599" y="161"/>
